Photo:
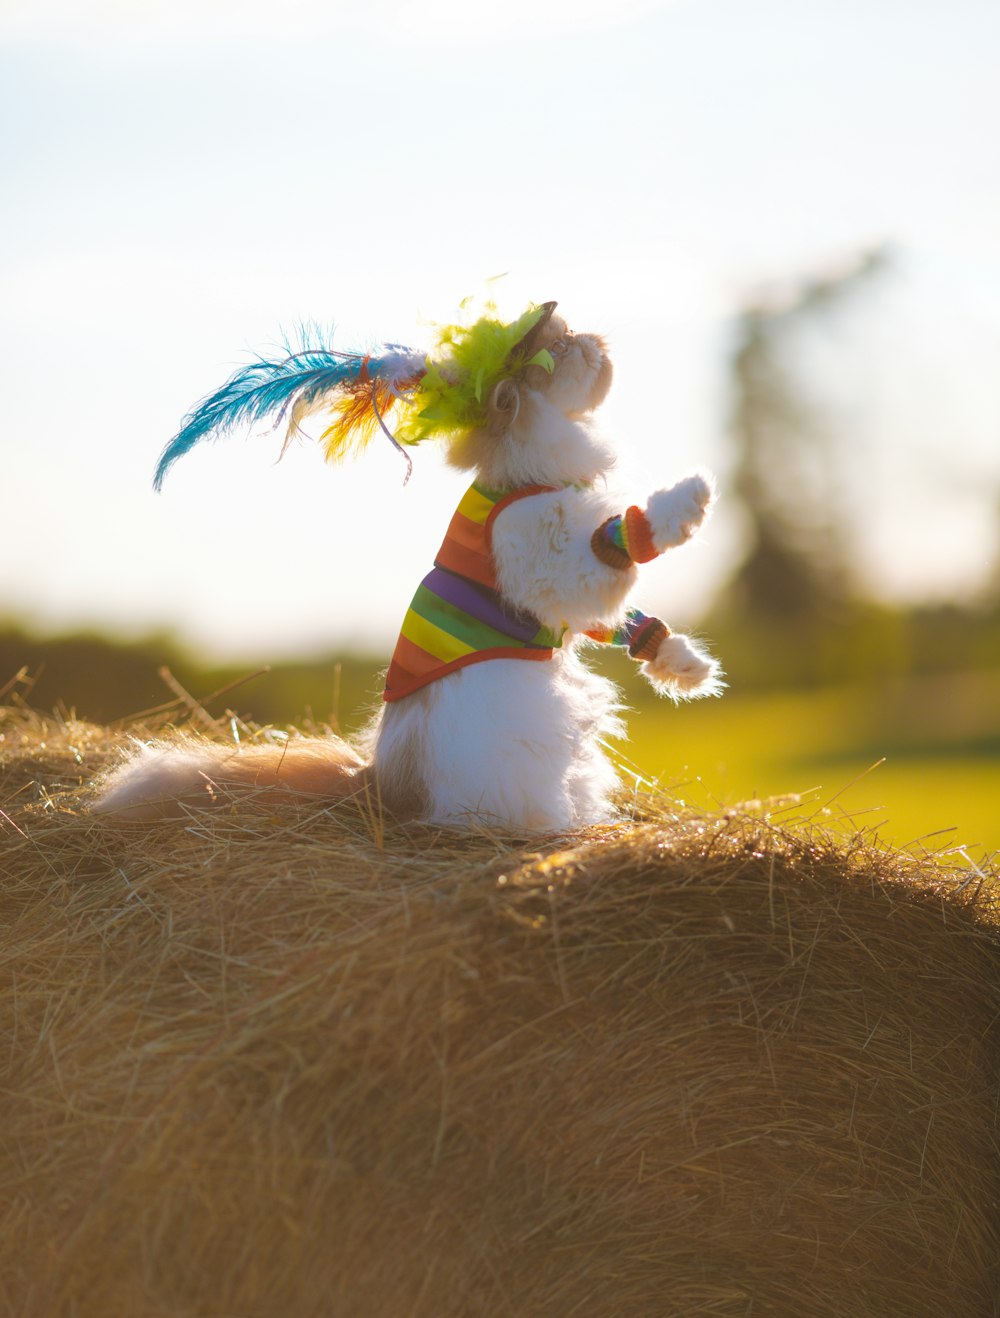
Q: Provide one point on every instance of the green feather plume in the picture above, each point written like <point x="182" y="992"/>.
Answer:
<point x="468" y="363"/>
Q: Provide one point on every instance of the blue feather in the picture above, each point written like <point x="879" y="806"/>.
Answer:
<point x="263" y="388"/>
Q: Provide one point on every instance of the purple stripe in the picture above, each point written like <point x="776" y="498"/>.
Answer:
<point x="483" y="605"/>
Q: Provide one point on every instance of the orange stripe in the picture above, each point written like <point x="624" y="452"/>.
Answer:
<point x="467" y="533"/>
<point x="467" y="563"/>
<point x="409" y="662"/>
<point x="466" y="551"/>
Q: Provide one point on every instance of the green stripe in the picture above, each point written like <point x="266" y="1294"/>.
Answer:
<point x="458" y="623"/>
<point x="549" y="639"/>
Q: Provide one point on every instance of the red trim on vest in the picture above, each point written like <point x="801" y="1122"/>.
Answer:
<point x="500" y="652"/>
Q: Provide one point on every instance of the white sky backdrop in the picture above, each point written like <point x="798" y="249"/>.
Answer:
<point x="183" y="180"/>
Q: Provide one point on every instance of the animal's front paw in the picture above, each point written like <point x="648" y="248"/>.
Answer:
<point x="681" y="669"/>
<point x="675" y="514"/>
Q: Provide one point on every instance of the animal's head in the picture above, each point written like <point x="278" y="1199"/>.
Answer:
<point x="580" y="375"/>
<point x="529" y="429"/>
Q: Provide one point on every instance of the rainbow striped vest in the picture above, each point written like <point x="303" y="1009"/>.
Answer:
<point x="457" y="616"/>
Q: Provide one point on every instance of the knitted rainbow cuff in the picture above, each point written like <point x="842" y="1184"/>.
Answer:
<point x="646" y="635"/>
<point x="639" y="634"/>
<point x="624" y="540"/>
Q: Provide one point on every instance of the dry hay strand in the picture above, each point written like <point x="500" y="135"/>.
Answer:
<point x="315" y="1063"/>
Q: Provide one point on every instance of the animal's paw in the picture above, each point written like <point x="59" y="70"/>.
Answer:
<point x="682" y="670"/>
<point x="675" y="514"/>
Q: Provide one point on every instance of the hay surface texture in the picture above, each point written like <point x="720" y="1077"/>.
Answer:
<point x="303" y="1063"/>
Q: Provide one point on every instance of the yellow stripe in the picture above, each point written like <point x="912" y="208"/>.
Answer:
<point x="441" y="644"/>
<point x="476" y="506"/>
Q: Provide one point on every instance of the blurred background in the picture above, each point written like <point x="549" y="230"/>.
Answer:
<point x="786" y="219"/>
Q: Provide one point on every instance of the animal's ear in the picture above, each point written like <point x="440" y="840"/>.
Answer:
<point x="503" y="405"/>
<point x="534" y="338"/>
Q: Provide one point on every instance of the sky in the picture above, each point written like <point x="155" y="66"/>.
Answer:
<point x="184" y="182"/>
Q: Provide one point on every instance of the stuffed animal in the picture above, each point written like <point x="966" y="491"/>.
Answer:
<point x="489" y="714"/>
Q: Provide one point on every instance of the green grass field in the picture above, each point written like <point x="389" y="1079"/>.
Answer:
<point x="939" y="739"/>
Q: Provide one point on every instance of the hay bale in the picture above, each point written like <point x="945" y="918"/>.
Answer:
<point x="311" y="1064"/>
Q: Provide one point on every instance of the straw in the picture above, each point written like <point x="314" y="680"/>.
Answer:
<point x="310" y="1061"/>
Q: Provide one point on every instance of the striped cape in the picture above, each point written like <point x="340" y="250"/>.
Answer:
<point x="457" y="617"/>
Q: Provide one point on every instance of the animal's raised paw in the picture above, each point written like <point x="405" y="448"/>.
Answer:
<point x="682" y="669"/>
<point x="675" y="514"/>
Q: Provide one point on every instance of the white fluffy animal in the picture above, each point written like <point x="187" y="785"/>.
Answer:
<point x="490" y="716"/>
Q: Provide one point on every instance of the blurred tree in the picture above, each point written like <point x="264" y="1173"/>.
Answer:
<point x="788" y="470"/>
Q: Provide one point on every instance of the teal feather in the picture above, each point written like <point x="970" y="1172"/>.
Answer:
<point x="265" y="388"/>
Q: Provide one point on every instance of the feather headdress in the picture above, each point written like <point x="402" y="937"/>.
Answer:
<point x="442" y="395"/>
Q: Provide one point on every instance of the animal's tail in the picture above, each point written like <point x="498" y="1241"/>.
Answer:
<point x="160" y="778"/>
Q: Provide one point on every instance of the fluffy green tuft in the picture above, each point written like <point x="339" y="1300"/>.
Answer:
<point x="470" y="360"/>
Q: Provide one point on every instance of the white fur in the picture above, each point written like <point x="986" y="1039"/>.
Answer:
<point x="510" y="743"/>
<point x="676" y="514"/>
<point x="683" y="670"/>
<point x="157" y="772"/>
<point x="545" y="447"/>
<point x="545" y="565"/>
